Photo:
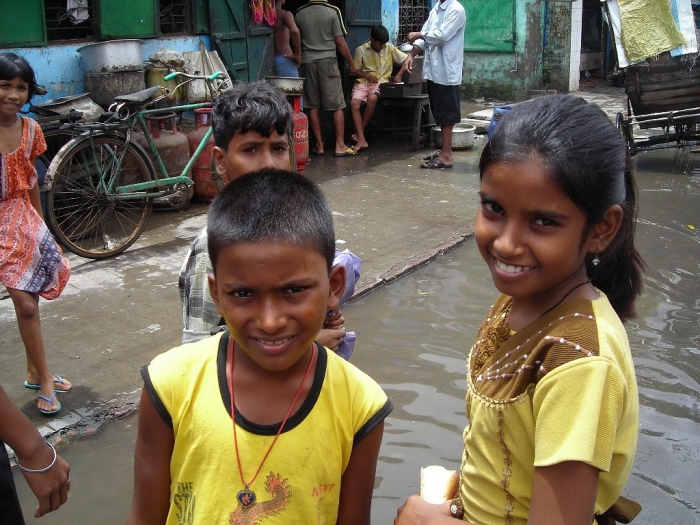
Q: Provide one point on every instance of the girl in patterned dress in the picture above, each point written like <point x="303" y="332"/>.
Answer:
<point x="31" y="263"/>
<point x="551" y="397"/>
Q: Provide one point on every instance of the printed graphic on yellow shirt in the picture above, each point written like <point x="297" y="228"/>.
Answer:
<point x="255" y="513"/>
<point x="184" y="501"/>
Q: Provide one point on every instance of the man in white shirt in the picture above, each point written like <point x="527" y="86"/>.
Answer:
<point x="443" y="36"/>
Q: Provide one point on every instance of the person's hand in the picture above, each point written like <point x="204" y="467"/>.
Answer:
<point x="398" y="78"/>
<point x="297" y="59"/>
<point x="413" y="36"/>
<point x="50" y="487"/>
<point x="334" y="319"/>
<point x="353" y="71"/>
<point x="331" y="337"/>
<point x="372" y="79"/>
<point x="416" y="511"/>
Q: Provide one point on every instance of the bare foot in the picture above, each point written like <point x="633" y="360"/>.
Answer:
<point x="360" y="146"/>
<point x="354" y="138"/>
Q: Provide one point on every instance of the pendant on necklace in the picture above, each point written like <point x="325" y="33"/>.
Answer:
<point x="246" y="497"/>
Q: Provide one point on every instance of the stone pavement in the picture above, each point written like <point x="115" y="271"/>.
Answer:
<point x="117" y="314"/>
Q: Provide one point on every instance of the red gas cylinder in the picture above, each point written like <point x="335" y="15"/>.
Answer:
<point x="168" y="140"/>
<point x="301" y="133"/>
<point x="204" y="188"/>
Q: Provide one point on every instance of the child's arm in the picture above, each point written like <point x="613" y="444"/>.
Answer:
<point x="406" y="65"/>
<point x="35" y="197"/>
<point x="564" y="493"/>
<point x="154" y="447"/>
<point x="357" y="483"/>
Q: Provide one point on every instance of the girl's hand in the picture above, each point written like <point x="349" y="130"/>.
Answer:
<point x="50" y="487"/>
<point x="416" y="511"/>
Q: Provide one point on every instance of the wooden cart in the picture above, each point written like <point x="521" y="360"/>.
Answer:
<point x="661" y="104"/>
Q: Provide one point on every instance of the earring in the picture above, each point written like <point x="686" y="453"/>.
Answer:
<point x="595" y="261"/>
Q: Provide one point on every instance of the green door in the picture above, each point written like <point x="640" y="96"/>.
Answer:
<point x="246" y="49"/>
<point x="360" y="17"/>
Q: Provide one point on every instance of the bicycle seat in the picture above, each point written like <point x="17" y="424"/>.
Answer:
<point x="139" y="96"/>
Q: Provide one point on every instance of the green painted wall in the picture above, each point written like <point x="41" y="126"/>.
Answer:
<point x="509" y="76"/>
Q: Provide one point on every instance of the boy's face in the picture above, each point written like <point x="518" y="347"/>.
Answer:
<point x="274" y="298"/>
<point x="251" y="151"/>
<point x="376" y="45"/>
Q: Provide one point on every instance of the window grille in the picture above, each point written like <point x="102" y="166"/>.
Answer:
<point x="173" y="16"/>
<point x="63" y="25"/>
<point x="412" y="16"/>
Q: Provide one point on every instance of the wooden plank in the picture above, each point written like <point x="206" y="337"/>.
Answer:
<point x="692" y="85"/>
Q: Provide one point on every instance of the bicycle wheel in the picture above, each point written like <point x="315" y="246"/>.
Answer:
<point x="85" y="218"/>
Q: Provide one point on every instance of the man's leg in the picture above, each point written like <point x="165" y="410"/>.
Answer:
<point x="315" y="120"/>
<point x="446" y="151"/>
<point x="339" y="125"/>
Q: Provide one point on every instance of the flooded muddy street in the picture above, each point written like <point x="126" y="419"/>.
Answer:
<point x="413" y="338"/>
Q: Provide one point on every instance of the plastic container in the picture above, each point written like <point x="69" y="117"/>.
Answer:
<point x="498" y="112"/>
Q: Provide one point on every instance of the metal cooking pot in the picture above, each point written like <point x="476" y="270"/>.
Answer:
<point x="290" y="85"/>
<point x="111" y="56"/>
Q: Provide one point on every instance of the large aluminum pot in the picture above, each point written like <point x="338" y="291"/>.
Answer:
<point x="290" y="85"/>
<point x="462" y="136"/>
<point x="111" y="56"/>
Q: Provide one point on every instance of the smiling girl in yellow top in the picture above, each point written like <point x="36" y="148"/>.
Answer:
<point x="551" y="390"/>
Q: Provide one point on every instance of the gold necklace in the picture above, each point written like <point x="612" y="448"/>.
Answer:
<point x="245" y="496"/>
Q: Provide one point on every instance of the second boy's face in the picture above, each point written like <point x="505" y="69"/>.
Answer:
<point x="376" y="45"/>
<point x="248" y="152"/>
<point x="274" y="298"/>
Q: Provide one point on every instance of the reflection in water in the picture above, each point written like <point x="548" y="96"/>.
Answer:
<point x="413" y="338"/>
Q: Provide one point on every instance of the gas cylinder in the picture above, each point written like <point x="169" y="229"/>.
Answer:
<point x="301" y="133"/>
<point x="204" y="188"/>
<point x="174" y="151"/>
<point x="171" y="143"/>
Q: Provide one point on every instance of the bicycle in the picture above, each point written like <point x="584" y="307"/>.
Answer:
<point x="101" y="185"/>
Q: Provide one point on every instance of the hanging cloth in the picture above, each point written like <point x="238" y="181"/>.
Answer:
<point x="77" y="11"/>
<point x="270" y="12"/>
<point x="257" y="7"/>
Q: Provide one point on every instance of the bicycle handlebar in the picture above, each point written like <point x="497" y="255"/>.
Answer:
<point x="208" y="78"/>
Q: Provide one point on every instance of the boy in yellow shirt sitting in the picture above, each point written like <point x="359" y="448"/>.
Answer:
<point x="374" y="60"/>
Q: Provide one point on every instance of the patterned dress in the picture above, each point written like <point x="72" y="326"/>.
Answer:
<point x="30" y="259"/>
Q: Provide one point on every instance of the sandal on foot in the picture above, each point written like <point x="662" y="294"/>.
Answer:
<point x="433" y="155"/>
<point x="347" y="153"/>
<point x="59" y="385"/>
<point x="317" y="153"/>
<point x="434" y="164"/>
<point x="50" y="400"/>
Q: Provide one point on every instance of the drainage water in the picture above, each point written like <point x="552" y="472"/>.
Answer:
<point x="413" y="337"/>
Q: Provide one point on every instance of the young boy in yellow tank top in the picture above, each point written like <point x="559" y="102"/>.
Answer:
<point x="260" y="422"/>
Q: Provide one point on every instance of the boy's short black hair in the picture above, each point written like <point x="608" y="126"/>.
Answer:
<point x="271" y="205"/>
<point x="258" y="106"/>
<point x="380" y="34"/>
<point x="13" y="65"/>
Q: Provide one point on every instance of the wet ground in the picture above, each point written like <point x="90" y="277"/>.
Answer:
<point x="413" y="336"/>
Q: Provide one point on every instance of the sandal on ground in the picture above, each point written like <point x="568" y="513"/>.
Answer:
<point x="432" y="155"/>
<point x="347" y="153"/>
<point x="50" y="400"/>
<point x="317" y="153"/>
<point x="60" y="385"/>
<point x="435" y="164"/>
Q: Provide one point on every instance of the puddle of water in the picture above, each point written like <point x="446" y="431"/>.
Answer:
<point x="413" y="337"/>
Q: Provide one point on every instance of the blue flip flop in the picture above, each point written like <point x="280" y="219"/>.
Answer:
<point x="57" y="380"/>
<point x="50" y="401"/>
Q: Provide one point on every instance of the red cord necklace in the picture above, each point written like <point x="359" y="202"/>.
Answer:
<point x="245" y="496"/>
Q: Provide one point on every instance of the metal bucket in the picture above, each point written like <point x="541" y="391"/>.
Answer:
<point x="112" y="55"/>
<point x="105" y="86"/>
